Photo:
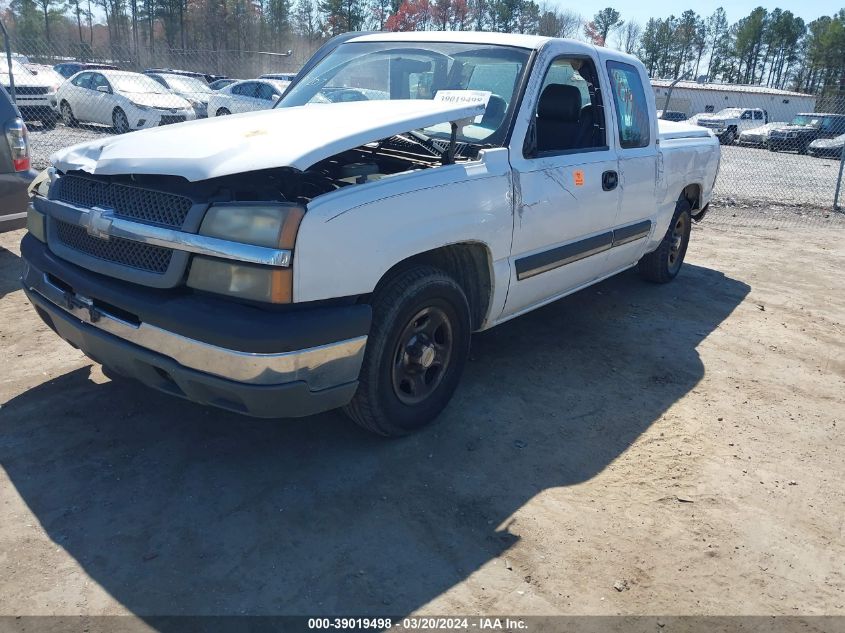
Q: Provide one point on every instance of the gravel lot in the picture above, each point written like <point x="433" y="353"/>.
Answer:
<point x="748" y="176"/>
<point x="682" y="442"/>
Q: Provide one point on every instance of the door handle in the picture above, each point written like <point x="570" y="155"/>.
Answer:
<point x="609" y="180"/>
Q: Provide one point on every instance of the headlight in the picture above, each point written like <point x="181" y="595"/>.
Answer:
<point x="140" y="106"/>
<point x="260" y="224"/>
<point x="40" y="185"/>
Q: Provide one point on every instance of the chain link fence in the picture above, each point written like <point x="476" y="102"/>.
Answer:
<point x="779" y="148"/>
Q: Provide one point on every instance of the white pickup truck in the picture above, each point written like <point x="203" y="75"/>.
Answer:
<point x="729" y="123"/>
<point x="340" y="249"/>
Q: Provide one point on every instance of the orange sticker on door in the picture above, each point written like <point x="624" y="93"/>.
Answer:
<point x="578" y="175"/>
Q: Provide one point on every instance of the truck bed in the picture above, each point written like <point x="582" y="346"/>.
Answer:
<point x="673" y="130"/>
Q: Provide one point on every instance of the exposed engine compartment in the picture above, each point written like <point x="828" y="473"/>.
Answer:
<point x="361" y="165"/>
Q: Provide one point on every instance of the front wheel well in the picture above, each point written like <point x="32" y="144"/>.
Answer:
<point x="469" y="264"/>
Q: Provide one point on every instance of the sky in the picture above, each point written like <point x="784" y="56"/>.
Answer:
<point x="642" y="10"/>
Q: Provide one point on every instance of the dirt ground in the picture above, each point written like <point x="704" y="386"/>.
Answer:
<point x="632" y="449"/>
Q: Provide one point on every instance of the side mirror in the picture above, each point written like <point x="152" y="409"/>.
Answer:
<point x="103" y="89"/>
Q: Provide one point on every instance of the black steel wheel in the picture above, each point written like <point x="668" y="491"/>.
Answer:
<point x="416" y="352"/>
<point x="422" y="355"/>
<point x="664" y="263"/>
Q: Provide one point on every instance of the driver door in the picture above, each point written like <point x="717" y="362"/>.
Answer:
<point x="565" y="180"/>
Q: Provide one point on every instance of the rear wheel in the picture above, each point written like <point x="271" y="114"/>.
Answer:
<point x="121" y="123"/>
<point x="663" y="264"/>
<point x="67" y="115"/>
<point x="223" y="112"/>
<point x="416" y="352"/>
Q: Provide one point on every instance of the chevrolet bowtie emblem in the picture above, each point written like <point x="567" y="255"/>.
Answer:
<point x="97" y="222"/>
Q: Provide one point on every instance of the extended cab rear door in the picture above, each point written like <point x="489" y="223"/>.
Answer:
<point x="565" y="177"/>
<point x="634" y="129"/>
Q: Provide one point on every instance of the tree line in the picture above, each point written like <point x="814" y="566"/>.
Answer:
<point x="772" y="48"/>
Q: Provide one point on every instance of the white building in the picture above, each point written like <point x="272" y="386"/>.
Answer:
<point x="692" y="98"/>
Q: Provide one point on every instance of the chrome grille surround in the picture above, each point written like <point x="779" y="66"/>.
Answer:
<point x="136" y="203"/>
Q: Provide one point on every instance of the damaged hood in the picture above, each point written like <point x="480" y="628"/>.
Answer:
<point x="295" y="137"/>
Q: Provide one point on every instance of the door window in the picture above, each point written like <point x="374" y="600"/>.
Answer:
<point x="98" y="80"/>
<point x="244" y="90"/>
<point x="266" y="92"/>
<point x="83" y="80"/>
<point x="568" y="116"/>
<point x="758" y="115"/>
<point x="631" y="105"/>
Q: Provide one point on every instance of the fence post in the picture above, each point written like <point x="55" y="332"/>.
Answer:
<point x="9" y="61"/>
<point x="836" y="205"/>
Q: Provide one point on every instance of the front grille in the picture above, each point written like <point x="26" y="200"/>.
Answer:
<point x="134" y="203"/>
<point x="153" y="259"/>
<point x="31" y="90"/>
<point x="166" y="119"/>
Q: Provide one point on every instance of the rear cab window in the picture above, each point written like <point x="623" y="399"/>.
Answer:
<point x="632" y="114"/>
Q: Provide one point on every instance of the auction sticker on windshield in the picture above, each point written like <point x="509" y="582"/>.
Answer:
<point x="464" y="96"/>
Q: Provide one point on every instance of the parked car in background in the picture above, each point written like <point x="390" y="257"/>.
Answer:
<point x="35" y="95"/>
<point x="671" y="115"/>
<point x="805" y="128"/>
<point x="69" y="69"/>
<point x="759" y="136"/>
<point x="222" y="83"/>
<point x="279" y="76"/>
<point x="125" y="100"/>
<point x="827" y="147"/>
<point x="206" y="77"/>
<point x="15" y="171"/>
<point x="729" y="123"/>
<point x="46" y="72"/>
<point x="246" y="96"/>
<point x="193" y="90"/>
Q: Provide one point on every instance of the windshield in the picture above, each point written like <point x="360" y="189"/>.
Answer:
<point x="186" y="84"/>
<point x="806" y="119"/>
<point x="417" y="70"/>
<point x="136" y="82"/>
<point x="729" y="112"/>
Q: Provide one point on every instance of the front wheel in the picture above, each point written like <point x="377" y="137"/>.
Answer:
<point x="67" y="115"/>
<point x="416" y="352"/>
<point x="728" y="137"/>
<point x="223" y="112"/>
<point x="663" y="264"/>
<point x="121" y="123"/>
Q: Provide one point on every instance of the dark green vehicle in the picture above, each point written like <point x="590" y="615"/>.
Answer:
<point x="804" y="129"/>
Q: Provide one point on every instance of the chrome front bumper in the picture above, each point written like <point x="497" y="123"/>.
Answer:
<point x="321" y="377"/>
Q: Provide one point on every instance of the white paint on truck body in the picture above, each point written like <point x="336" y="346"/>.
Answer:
<point x="512" y="205"/>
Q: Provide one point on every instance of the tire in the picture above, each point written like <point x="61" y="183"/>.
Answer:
<point x="120" y="122"/>
<point x="67" y="115"/>
<point x="663" y="264"/>
<point x="416" y="352"/>
<point x="222" y="112"/>
<point x="728" y="137"/>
